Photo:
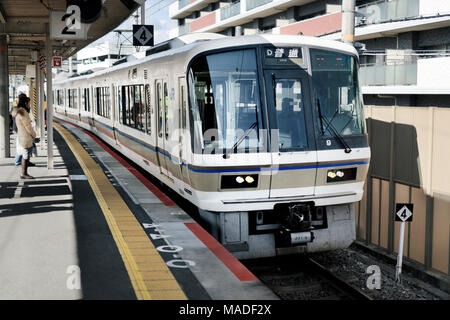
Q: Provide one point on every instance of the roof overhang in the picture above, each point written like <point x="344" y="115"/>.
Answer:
<point x="25" y="22"/>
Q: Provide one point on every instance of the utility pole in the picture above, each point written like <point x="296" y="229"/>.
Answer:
<point x="348" y="21"/>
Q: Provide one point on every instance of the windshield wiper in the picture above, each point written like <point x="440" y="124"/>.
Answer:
<point x="226" y="154"/>
<point x="333" y="129"/>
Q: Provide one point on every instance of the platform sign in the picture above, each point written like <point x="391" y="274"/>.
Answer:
<point x="41" y="61"/>
<point x="143" y="35"/>
<point x="57" y="62"/>
<point x="67" y="24"/>
<point x="404" y="212"/>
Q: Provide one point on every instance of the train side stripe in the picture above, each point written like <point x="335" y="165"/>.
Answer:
<point x="330" y="165"/>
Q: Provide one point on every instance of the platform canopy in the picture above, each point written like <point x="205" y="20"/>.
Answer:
<point x="26" y="23"/>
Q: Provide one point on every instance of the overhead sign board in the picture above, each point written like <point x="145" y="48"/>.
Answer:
<point x="404" y="212"/>
<point x="67" y="25"/>
<point x="30" y="71"/>
<point x="142" y="35"/>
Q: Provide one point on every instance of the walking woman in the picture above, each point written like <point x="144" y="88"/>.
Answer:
<point x="26" y="135"/>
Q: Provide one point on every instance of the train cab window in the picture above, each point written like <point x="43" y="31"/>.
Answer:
<point x="149" y="110"/>
<point x="290" y="114"/>
<point x="225" y="103"/>
<point x="337" y="93"/>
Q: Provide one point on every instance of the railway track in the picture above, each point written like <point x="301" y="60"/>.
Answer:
<point x="295" y="277"/>
<point x="302" y="278"/>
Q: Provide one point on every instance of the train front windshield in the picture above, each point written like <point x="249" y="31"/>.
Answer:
<point x="225" y="102"/>
<point x="337" y="93"/>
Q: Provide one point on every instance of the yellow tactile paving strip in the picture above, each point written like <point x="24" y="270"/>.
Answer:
<point x="149" y="274"/>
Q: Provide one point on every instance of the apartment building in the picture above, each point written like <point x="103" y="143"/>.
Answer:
<point x="406" y="60"/>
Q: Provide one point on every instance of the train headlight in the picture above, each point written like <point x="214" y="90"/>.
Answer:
<point x="336" y="175"/>
<point x="340" y="173"/>
<point x="239" y="179"/>
<point x="238" y="182"/>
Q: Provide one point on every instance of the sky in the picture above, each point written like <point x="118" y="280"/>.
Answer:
<point x="156" y="14"/>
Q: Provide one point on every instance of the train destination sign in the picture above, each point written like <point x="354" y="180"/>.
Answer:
<point x="142" y="35"/>
<point x="283" y="55"/>
<point x="404" y="212"/>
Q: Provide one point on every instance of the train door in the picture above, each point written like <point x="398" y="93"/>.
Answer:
<point x="161" y="102"/>
<point x="294" y="158"/>
<point x="182" y="109"/>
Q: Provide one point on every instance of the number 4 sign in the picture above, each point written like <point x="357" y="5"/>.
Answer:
<point x="403" y="212"/>
<point x="142" y="35"/>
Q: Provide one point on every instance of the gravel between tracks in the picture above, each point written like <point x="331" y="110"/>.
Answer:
<point x="353" y="263"/>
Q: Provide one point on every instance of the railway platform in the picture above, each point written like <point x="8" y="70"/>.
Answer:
<point x="94" y="228"/>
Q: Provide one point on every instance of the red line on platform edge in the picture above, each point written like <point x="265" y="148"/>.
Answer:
<point x="161" y="196"/>
<point x="230" y="261"/>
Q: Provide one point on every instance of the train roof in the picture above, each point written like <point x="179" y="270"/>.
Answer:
<point x="195" y="43"/>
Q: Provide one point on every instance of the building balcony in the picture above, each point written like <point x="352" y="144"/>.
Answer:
<point x="388" y="75"/>
<point x="182" y="8"/>
<point x="423" y="73"/>
<point x="314" y="27"/>
<point x="238" y="13"/>
<point x="397" y="10"/>
<point x="382" y="11"/>
<point x="252" y="4"/>
<point x="230" y="11"/>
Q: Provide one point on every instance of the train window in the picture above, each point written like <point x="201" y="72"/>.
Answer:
<point x="132" y="106"/>
<point x="73" y="98"/>
<point x="226" y="110"/>
<point x="290" y="114"/>
<point x="139" y="107"/>
<point x="337" y="92"/>
<point x="160" y="108"/>
<point x="120" y="103"/>
<point x="183" y="106"/>
<point x="149" y="113"/>
<point x="87" y="100"/>
<point x="166" y="110"/>
<point x="103" y="104"/>
<point x="60" y="97"/>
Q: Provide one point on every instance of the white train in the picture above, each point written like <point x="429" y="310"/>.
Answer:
<point x="265" y="134"/>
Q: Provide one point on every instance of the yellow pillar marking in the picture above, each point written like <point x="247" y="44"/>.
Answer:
<point x="149" y="274"/>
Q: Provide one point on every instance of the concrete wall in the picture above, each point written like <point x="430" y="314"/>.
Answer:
<point x="410" y="156"/>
